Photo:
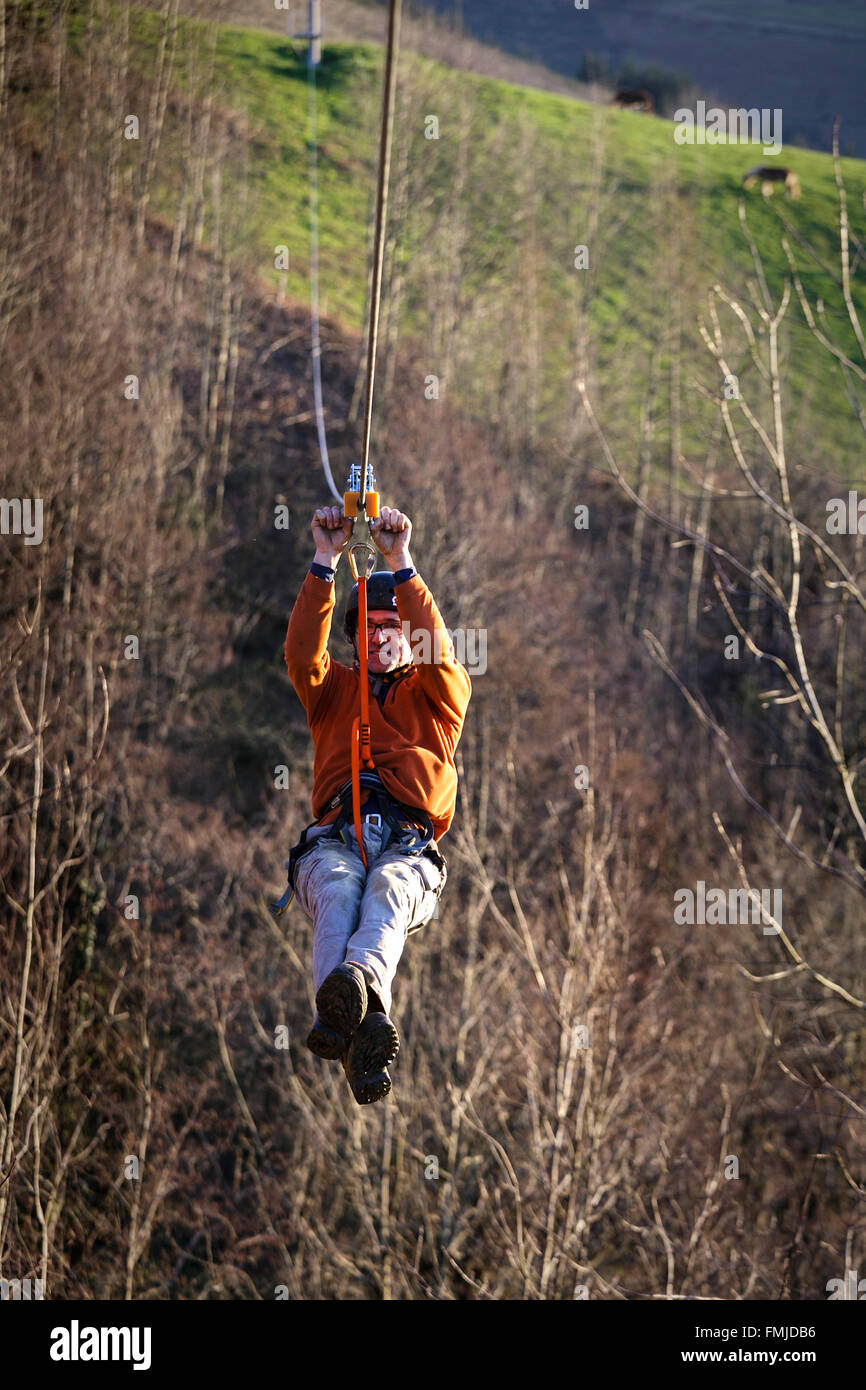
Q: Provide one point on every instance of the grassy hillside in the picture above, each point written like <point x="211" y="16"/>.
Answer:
<point x="516" y="179"/>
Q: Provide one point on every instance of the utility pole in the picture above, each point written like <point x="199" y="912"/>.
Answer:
<point x="314" y="32"/>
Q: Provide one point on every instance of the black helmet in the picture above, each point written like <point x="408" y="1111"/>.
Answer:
<point x="380" y="594"/>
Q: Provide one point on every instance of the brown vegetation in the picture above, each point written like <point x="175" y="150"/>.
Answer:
<point x="576" y="1069"/>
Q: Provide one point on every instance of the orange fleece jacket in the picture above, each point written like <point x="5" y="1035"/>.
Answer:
<point x="415" y="730"/>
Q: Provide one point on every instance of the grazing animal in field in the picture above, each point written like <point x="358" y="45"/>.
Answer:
<point x="770" y="175"/>
<point x="632" y="99"/>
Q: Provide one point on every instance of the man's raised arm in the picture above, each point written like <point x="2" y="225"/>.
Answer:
<point x="307" y="657"/>
<point x="444" y="680"/>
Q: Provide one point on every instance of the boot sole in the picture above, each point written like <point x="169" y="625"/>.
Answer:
<point x="370" y="1056"/>
<point x="340" y="1004"/>
<point x="373" y="1088"/>
<point x="326" y="1042"/>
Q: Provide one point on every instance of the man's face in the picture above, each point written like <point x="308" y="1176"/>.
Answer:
<point x="387" y="647"/>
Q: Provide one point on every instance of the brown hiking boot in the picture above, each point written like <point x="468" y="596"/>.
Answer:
<point x="373" y="1048"/>
<point x="341" y="1003"/>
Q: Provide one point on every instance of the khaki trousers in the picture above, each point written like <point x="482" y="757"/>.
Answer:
<point x="364" y="917"/>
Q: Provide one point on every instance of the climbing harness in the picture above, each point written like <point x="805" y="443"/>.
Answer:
<point x="408" y="825"/>
<point x="361" y="498"/>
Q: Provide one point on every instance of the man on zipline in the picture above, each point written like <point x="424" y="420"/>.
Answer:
<point x="361" y="918"/>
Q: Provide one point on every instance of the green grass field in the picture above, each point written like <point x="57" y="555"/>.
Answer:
<point x="669" y="214"/>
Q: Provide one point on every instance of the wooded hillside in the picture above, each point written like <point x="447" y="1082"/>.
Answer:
<point x="578" y="1067"/>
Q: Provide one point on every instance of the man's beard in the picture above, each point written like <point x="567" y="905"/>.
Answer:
<point x="389" y="655"/>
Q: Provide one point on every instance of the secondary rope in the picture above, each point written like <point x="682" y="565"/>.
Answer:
<point x="385" y="143"/>
<point x="314" y="279"/>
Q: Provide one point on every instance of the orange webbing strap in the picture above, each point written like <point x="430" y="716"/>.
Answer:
<point x="365" y="757"/>
<point x="356" y="788"/>
<point x="360" y="750"/>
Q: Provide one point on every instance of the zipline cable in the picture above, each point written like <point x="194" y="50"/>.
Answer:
<point x="360" y="746"/>
<point x="390" y="83"/>
<point x="360" y="749"/>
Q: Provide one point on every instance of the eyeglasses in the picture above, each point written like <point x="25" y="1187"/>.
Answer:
<point x="389" y="627"/>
